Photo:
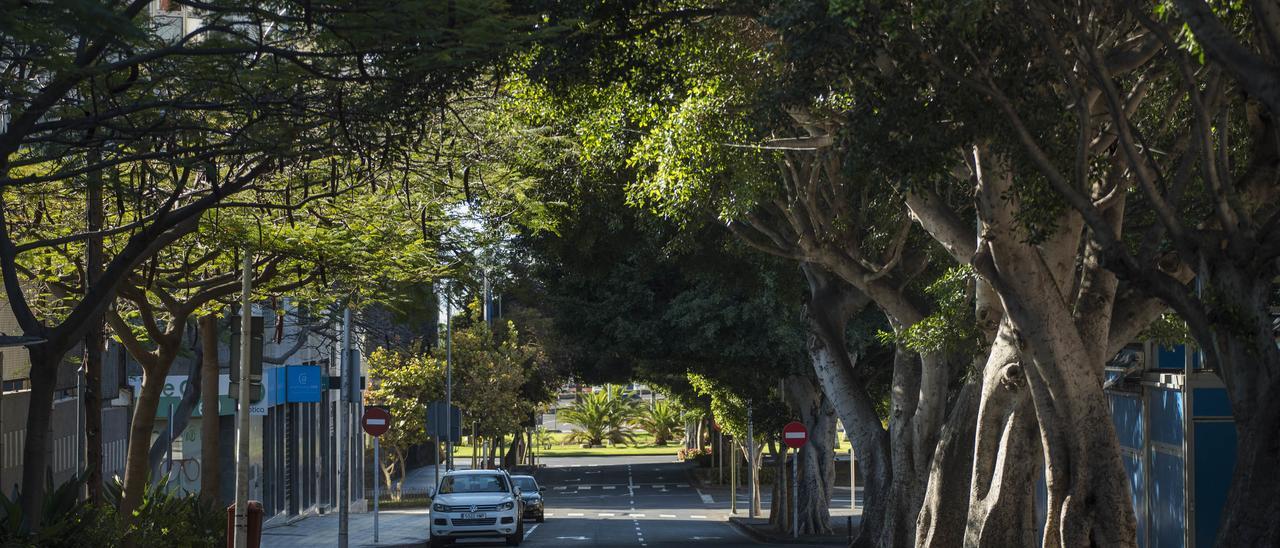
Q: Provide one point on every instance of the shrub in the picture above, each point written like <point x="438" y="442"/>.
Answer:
<point x="699" y="456"/>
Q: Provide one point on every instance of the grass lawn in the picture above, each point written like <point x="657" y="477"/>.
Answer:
<point x="644" y="446"/>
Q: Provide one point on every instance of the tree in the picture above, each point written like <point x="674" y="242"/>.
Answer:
<point x="663" y="419"/>
<point x="404" y="383"/>
<point x="603" y="415"/>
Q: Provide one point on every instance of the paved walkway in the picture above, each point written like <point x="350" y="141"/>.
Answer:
<point x="401" y="527"/>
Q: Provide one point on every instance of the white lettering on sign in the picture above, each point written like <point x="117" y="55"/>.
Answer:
<point x="796" y="435"/>
<point x="373" y="422"/>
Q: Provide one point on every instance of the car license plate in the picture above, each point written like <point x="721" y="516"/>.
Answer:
<point x="473" y="515"/>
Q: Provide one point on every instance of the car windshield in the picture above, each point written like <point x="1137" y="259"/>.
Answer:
<point x="526" y="484"/>
<point x="474" y="483"/>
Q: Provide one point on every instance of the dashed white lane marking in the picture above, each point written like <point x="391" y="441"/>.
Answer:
<point x="706" y="499"/>
<point x="609" y="487"/>
<point x="666" y="515"/>
<point x="574" y="514"/>
<point x="558" y="488"/>
<point x="530" y="531"/>
<point x="584" y="487"/>
<point x="549" y="514"/>
<point x="604" y="515"/>
<point x="698" y="517"/>
<point x="637" y="515"/>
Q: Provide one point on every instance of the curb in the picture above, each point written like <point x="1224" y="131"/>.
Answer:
<point x="742" y="525"/>
<point x="749" y="531"/>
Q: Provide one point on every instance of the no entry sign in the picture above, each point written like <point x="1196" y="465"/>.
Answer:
<point x="795" y="435"/>
<point x="375" y="421"/>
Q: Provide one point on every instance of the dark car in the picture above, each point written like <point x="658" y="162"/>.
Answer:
<point x="531" y="493"/>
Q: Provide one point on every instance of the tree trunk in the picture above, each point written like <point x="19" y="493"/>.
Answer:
<point x="512" y="458"/>
<point x="210" y="472"/>
<point x="780" y="507"/>
<point x="817" y="464"/>
<point x="136" y="469"/>
<point x="831" y="303"/>
<point x="181" y="416"/>
<point x="1006" y="462"/>
<point x="1058" y="303"/>
<point x="753" y="473"/>
<point x="941" y="521"/>
<point x="44" y="376"/>
<point x="93" y="343"/>
<point x="1249" y="518"/>
<point x="1249" y="364"/>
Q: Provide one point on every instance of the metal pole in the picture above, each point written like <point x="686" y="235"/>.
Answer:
<point x="242" y="410"/>
<point x="448" y="382"/>
<point x="168" y="465"/>
<point x="853" y="479"/>
<point x="719" y="457"/>
<point x="751" y="464"/>
<point x="733" y="478"/>
<point x="344" y="445"/>
<point x="795" y="491"/>
<point x="377" y="463"/>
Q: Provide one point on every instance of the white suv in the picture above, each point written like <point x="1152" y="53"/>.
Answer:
<point x="476" y="503"/>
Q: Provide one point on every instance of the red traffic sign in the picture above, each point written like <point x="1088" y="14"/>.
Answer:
<point x="795" y="435"/>
<point x="376" y="421"/>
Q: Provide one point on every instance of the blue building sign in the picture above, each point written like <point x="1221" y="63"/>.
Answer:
<point x="302" y="383"/>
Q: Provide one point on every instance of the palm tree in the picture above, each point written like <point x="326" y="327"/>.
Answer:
<point x="603" y="415"/>
<point x="664" y="420"/>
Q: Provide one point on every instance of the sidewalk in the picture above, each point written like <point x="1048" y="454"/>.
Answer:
<point x="760" y="530"/>
<point x="401" y="527"/>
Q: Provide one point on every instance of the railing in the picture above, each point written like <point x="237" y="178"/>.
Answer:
<point x="401" y="497"/>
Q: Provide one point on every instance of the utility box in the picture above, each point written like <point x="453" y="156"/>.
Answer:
<point x="254" y="517"/>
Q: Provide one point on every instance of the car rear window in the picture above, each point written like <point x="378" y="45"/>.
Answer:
<point x="526" y="484"/>
<point x="474" y="483"/>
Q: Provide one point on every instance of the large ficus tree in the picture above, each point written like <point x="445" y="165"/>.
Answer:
<point x="94" y="86"/>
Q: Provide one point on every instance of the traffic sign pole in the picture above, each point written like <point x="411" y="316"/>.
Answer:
<point x="795" y="502"/>
<point x="375" y="422"/>
<point x="795" y="435"/>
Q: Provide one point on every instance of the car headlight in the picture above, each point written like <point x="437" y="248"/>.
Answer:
<point x="439" y="508"/>
<point x="506" y="505"/>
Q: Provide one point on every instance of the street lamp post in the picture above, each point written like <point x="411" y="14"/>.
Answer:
<point x="448" y="382"/>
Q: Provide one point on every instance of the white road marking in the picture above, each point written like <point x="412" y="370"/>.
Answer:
<point x="604" y="515"/>
<point x="584" y="487"/>
<point x="571" y="538"/>
<point x="705" y="538"/>
<point x="549" y="514"/>
<point x="706" y="499"/>
<point x="698" y="517"/>
<point x="659" y="486"/>
<point x="683" y="486"/>
<point x="559" y="488"/>
<point x="637" y="515"/>
<point x="666" y="515"/>
<point x="575" y="514"/>
<point x="530" y="532"/>
<point x="609" y="487"/>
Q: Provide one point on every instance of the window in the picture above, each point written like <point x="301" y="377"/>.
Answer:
<point x="169" y="5"/>
<point x="474" y="483"/>
<point x="527" y="485"/>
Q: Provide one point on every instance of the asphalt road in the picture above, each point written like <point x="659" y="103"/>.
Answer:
<point x="640" y="501"/>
